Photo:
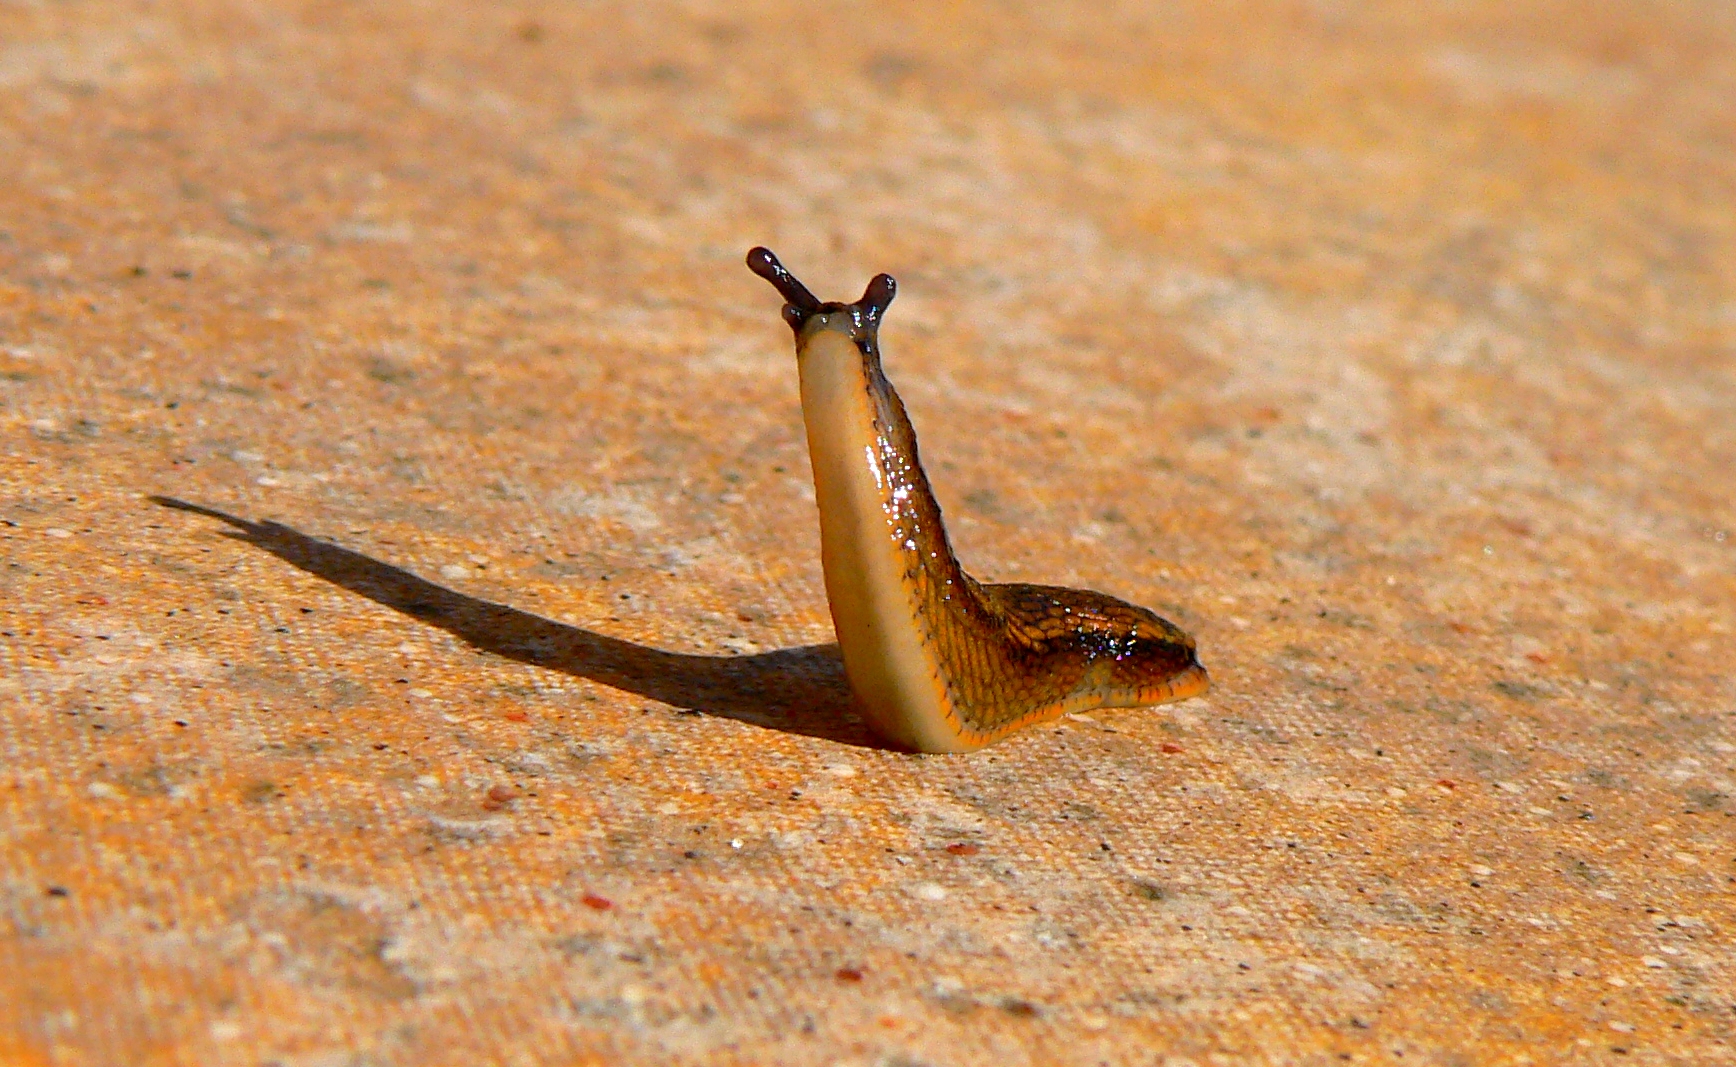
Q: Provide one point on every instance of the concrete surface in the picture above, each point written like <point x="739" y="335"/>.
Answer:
<point x="464" y="696"/>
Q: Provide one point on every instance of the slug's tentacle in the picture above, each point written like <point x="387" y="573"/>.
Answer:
<point x="799" y="303"/>
<point x="877" y="297"/>
<point x="938" y="661"/>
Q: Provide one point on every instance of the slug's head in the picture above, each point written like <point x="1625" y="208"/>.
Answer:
<point x="804" y="312"/>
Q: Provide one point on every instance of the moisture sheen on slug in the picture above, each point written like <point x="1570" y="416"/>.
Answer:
<point x="940" y="662"/>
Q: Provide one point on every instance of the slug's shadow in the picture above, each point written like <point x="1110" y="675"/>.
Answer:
<point x="797" y="690"/>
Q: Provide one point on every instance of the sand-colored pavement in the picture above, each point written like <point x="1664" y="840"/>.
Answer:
<point x="414" y="644"/>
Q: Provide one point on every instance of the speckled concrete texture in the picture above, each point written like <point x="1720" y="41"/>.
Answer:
<point x="415" y="650"/>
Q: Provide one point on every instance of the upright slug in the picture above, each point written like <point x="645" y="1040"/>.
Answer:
<point x="938" y="661"/>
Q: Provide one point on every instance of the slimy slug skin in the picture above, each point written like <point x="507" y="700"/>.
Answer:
<point x="938" y="661"/>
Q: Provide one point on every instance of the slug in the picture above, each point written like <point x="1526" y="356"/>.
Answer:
<point x="938" y="661"/>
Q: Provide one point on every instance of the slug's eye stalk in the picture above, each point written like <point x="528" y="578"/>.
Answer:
<point x="800" y="303"/>
<point x="877" y="296"/>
